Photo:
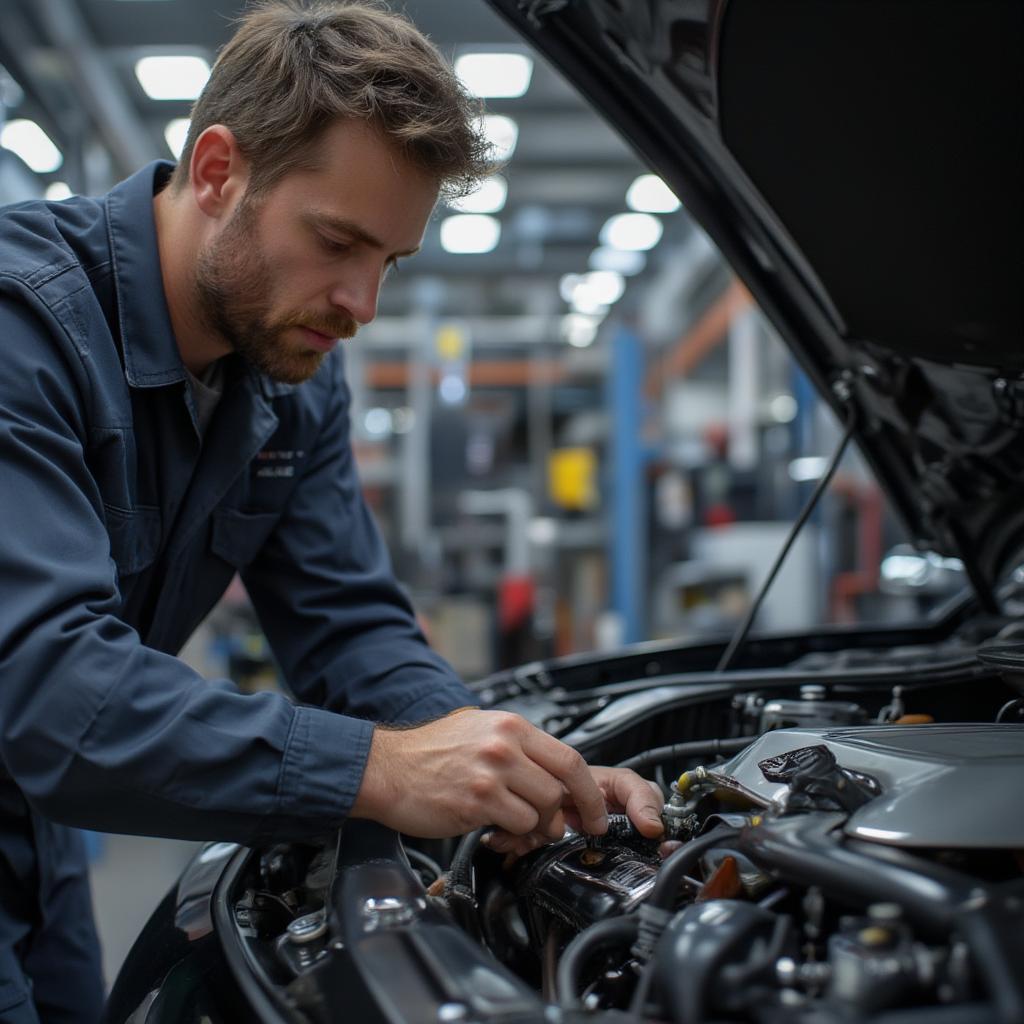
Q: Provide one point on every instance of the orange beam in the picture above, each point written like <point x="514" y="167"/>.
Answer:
<point x="509" y="373"/>
<point x="683" y="357"/>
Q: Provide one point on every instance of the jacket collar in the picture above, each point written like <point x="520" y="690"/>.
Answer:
<point x="151" y="357"/>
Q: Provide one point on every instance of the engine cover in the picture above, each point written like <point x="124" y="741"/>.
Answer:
<point x="943" y="786"/>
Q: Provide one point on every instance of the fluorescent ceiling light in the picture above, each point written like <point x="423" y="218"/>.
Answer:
<point x="649" y="194"/>
<point x="495" y="75"/>
<point x="503" y="134"/>
<point x="623" y="261"/>
<point x="26" y="139"/>
<point x="488" y="197"/>
<point x="470" y="233"/>
<point x="172" y="77"/>
<point x="175" y="134"/>
<point x="631" y="231"/>
<point x="580" y="330"/>
<point x="58" y="190"/>
<point x="592" y="293"/>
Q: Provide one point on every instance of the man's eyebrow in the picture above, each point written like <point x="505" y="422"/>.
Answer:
<point x="355" y="231"/>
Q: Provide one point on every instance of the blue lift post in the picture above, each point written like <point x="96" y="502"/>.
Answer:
<point x="627" y="534"/>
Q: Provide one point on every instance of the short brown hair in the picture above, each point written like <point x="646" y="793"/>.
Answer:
<point x="294" y="67"/>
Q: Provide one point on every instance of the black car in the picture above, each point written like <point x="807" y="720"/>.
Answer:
<point x="845" y="805"/>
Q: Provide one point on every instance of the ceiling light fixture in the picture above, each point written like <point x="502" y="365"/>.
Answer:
<point x="170" y="77"/>
<point x="488" y="197"/>
<point x="495" y="75"/>
<point x="27" y="140"/>
<point x="592" y="293"/>
<point x="649" y="194"/>
<point x="470" y="233"/>
<point x="634" y="232"/>
<point x="580" y="330"/>
<point x="623" y="261"/>
<point x="175" y="135"/>
<point x="503" y="134"/>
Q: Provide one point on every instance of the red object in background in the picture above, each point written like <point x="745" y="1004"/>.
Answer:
<point x="719" y="514"/>
<point x="515" y="602"/>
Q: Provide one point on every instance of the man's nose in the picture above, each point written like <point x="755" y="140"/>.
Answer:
<point x="356" y="293"/>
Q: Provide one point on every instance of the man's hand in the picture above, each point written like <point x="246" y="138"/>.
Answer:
<point x="478" y="768"/>
<point x="624" y="792"/>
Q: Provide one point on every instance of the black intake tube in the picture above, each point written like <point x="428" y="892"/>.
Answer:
<point x="802" y="849"/>
<point x="611" y="933"/>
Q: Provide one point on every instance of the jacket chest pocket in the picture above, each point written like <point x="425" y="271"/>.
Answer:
<point x="238" y="536"/>
<point x="135" y="537"/>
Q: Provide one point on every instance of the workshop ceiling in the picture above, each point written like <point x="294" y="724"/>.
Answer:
<point x="74" y="60"/>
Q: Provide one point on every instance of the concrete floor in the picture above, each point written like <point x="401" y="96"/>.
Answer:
<point x="130" y="876"/>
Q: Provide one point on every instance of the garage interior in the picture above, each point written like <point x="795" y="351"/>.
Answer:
<point x="573" y="424"/>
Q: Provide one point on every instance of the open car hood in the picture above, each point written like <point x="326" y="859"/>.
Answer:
<point x="859" y="164"/>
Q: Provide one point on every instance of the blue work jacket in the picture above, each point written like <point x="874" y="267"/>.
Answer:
<point x="122" y="527"/>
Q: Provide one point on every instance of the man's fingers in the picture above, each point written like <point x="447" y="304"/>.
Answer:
<point x="544" y="793"/>
<point x="513" y="814"/>
<point x="639" y="798"/>
<point x="568" y="766"/>
<point x="500" y="841"/>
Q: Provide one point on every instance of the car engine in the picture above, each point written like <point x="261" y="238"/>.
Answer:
<point x="842" y="849"/>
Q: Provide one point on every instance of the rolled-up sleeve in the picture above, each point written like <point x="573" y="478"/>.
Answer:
<point x="344" y="633"/>
<point x="97" y="729"/>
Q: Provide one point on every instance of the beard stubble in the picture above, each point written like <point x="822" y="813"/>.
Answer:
<point x="233" y="287"/>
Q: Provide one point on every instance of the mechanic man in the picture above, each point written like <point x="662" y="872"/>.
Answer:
<point x="173" y="410"/>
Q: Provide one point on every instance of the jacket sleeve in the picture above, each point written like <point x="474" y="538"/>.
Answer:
<point x="341" y="628"/>
<point x="97" y="729"/>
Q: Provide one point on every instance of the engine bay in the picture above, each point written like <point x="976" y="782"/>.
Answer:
<point x="842" y="842"/>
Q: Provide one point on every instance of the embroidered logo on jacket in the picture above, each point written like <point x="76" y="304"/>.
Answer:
<point x="278" y="462"/>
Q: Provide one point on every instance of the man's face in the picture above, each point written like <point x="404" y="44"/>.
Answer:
<point x="301" y="266"/>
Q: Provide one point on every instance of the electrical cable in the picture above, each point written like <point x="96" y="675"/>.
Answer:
<point x="458" y="886"/>
<point x="423" y="861"/>
<point x="694" y="748"/>
<point x="744" y="627"/>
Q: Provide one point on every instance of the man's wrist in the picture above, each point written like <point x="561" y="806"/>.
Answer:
<point x="406" y="726"/>
<point x="373" y="794"/>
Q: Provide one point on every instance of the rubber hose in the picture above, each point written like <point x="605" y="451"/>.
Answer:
<point x="611" y="933"/>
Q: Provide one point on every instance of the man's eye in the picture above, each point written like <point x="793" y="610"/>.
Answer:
<point x="332" y="245"/>
<point x="391" y="268"/>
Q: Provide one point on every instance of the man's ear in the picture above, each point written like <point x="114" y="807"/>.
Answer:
<point x="218" y="173"/>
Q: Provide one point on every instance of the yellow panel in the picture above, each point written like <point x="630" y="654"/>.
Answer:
<point x="572" y="478"/>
